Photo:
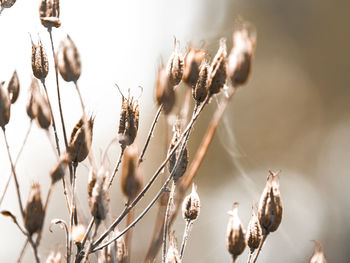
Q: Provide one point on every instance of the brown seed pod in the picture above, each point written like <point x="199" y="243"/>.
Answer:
<point x="175" y="66"/>
<point x="5" y="107"/>
<point x="91" y="183"/>
<point x="165" y="93"/>
<point x="68" y="60"/>
<point x="13" y="88"/>
<point x="270" y="205"/>
<point x="192" y="62"/>
<point x="40" y="63"/>
<point x="191" y="205"/>
<point x="49" y="11"/>
<point x="239" y="60"/>
<point x="235" y="234"/>
<point x="31" y="107"/>
<point x="131" y="178"/>
<point x="41" y="110"/>
<point x="318" y="255"/>
<point x="182" y="165"/>
<point x="57" y="173"/>
<point x="34" y="212"/>
<point x="217" y="71"/>
<point x="200" y="91"/>
<point x="7" y="3"/>
<point x="78" y="146"/>
<point x="173" y="255"/>
<point x="254" y="232"/>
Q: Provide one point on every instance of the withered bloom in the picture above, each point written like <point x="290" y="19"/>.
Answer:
<point x="191" y="205"/>
<point x="68" y="60"/>
<point x="13" y="88"/>
<point x="254" y="232"/>
<point x="34" y="212"/>
<point x="318" y="255"/>
<point x="40" y="63"/>
<point x="175" y="66"/>
<point x="200" y="90"/>
<point x="192" y="62"/>
<point x="49" y="13"/>
<point x="182" y="165"/>
<point x="5" y="107"/>
<point x="165" y="94"/>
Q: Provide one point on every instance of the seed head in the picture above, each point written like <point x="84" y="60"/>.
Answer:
<point x="165" y="93"/>
<point x="270" y="205"/>
<point x="68" y="60"/>
<point x="13" y="88"/>
<point x="235" y="234"/>
<point x="182" y="165"/>
<point x="192" y="62"/>
<point x="318" y="255"/>
<point x="191" y="205"/>
<point x="173" y="255"/>
<point x="200" y="91"/>
<point x="30" y="108"/>
<point x="40" y="64"/>
<point x="34" y="212"/>
<point x="175" y="66"/>
<point x="5" y="107"/>
<point x="49" y="11"/>
<point x="254" y="232"/>
<point x="41" y="110"/>
<point x="57" y="173"/>
<point x="131" y="179"/>
<point x="7" y="3"/>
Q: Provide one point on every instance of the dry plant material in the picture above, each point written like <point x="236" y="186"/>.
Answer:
<point x="68" y="60"/>
<point x="192" y="62"/>
<point x="200" y="90"/>
<point x="49" y="11"/>
<point x="182" y="165"/>
<point x="254" y="232"/>
<point x="54" y="257"/>
<point x="318" y="255"/>
<point x="191" y="205"/>
<point x="77" y="233"/>
<point x="42" y="110"/>
<point x="13" y="88"/>
<point x="173" y="255"/>
<point x="121" y="249"/>
<point x="175" y="66"/>
<point x="165" y="94"/>
<point x="235" y="234"/>
<point x="30" y="107"/>
<point x="40" y="63"/>
<point x="58" y="171"/>
<point x="5" y="107"/>
<point x="7" y="3"/>
<point x="34" y="212"/>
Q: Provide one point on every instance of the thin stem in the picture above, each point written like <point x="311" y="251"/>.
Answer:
<point x="22" y="251"/>
<point x="185" y="237"/>
<point x="80" y="254"/>
<point x="117" y="166"/>
<point x="73" y="210"/>
<point x="250" y="256"/>
<point x="128" y="235"/>
<point x="259" y="248"/>
<point x="35" y="249"/>
<point x="150" y="133"/>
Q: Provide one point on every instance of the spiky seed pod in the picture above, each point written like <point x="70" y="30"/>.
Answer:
<point x="78" y="232"/>
<point x="217" y="71"/>
<point x="270" y="205"/>
<point x="192" y="62"/>
<point x="175" y="66"/>
<point x="40" y="63"/>
<point x="191" y="205"/>
<point x="13" y="88"/>
<point x="239" y="60"/>
<point x="235" y="234"/>
<point x="254" y="232"/>
<point x="68" y="60"/>
<point x="58" y="171"/>
<point x="7" y="3"/>
<point x="165" y="93"/>
<point x="131" y="178"/>
<point x="173" y="255"/>
<point x="42" y="110"/>
<point x="318" y="255"/>
<point x="34" y="212"/>
<point x="49" y="11"/>
<point x="182" y="166"/>
<point x="78" y="146"/>
<point x="5" y="107"/>
<point x="54" y="257"/>
<point x="31" y="106"/>
<point x="200" y="91"/>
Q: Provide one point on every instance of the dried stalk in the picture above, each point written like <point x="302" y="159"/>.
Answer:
<point x="117" y="166"/>
<point x="259" y="248"/>
<point x="185" y="237"/>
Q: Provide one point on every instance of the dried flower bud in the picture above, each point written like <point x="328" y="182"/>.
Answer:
<point x="318" y="255"/>
<point x="5" y="107"/>
<point x="173" y="255"/>
<point x="68" y="60"/>
<point x="7" y="3"/>
<point x="254" y="232"/>
<point x="78" y="148"/>
<point x="40" y="63"/>
<point x="165" y="93"/>
<point x="54" y="257"/>
<point x="182" y="165"/>
<point x="200" y="91"/>
<point x="191" y="205"/>
<point x="217" y="71"/>
<point x="49" y="13"/>
<point x="78" y="232"/>
<point x="270" y="205"/>
<point x="129" y="121"/>
<point x="42" y="110"/>
<point x="192" y="62"/>
<point x="57" y="173"/>
<point x="31" y="107"/>
<point x="34" y="212"/>
<point x="13" y="87"/>
<point x="235" y="234"/>
<point x="131" y="179"/>
<point x="175" y="66"/>
<point x="239" y="60"/>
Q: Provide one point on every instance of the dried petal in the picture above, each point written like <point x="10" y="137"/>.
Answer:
<point x="68" y="60"/>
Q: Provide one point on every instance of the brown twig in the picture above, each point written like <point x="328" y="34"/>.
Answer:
<point x="117" y="166"/>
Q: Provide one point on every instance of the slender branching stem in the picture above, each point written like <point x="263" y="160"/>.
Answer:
<point x="259" y="248"/>
<point x="250" y="255"/>
<point x="117" y="166"/>
<point x="185" y="237"/>
<point x="80" y="253"/>
<point x="35" y="248"/>
<point x="19" y="259"/>
<point x="128" y="235"/>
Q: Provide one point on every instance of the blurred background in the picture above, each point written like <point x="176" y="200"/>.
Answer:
<point x="293" y="115"/>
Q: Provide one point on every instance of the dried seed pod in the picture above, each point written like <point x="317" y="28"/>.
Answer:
<point x="78" y="147"/>
<point x="34" y="212"/>
<point x="165" y="93"/>
<point x="68" y="60"/>
<point x="270" y="205"/>
<point x="191" y="205"/>
<point x="91" y="184"/>
<point x="13" y="88"/>
<point x="217" y="71"/>
<point x="182" y="165"/>
<point x="57" y="173"/>
<point x="131" y="179"/>
<point x="318" y="255"/>
<point x="200" y="91"/>
<point x="5" y="107"/>
<point x="254" y="232"/>
<point x="235" y="234"/>
<point x="42" y="110"/>
<point x="192" y="62"/>
<point x="49" y="11"/>
<point x="54" y="257"/>
<point x="78" y="232"/>
<point x="239" y="60"/>
<point x="173" y="255"/>
<point x="40" y="63"/>
<point x="31" y="106"/>
<point x="175" y="66"/>
<point x="7" y="3"/>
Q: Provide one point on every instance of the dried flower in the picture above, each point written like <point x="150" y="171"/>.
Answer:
<point x="5" y="107"/>
<point x="57" y="173"/>
<point x="182" y="165"/>
<point x="34" y="212"/>
<point x="318" y="255"/>
<point x="200" y="91"/>
<point x="40" y="64"/>
<point x="254" y="232"/>
<point x="191" y="205"/>
<point x="13" y="88"/>
<point x="30" y="108"/>
<point x="42" y="110"/>
<point x="78" y="232"/>
<point x="49" y="13"/>
<point x="165" y="94"/>
<point x="173" y="255"/>
<point x="235" y="234"/>
<point x="175" y="66"/>
<point x="68" y="60"/>
<point x="7" y="3"/>
<point x="192" y="62"/>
